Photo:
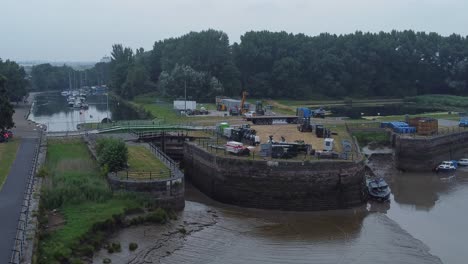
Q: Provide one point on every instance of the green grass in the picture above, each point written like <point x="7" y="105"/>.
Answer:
<point x="76" y="187"/>
<point x="163" y="110"/>
<point x="158" y="108"/>
<point x="364" y="138"/>
<point x="80" y="219"/>
<point x="141" y="162"/>
<point x="448" y="102"/>
<point x="440" y="115"/>
<point x="141" y="159"/>
<point x="8" y="152"/>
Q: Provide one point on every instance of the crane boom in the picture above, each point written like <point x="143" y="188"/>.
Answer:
<point x="244" y="96"/>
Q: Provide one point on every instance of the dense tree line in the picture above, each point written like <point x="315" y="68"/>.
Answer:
<point x="6" y="109"/>
<point x="284" y="65"/>
<point x="15" y="82"/>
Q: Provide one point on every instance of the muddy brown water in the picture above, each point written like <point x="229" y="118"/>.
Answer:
<point x="425" y="221"/>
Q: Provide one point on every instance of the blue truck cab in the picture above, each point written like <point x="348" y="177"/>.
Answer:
<point x="463" y="122"/>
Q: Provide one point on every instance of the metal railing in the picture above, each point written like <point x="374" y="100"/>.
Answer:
<point x="216" y="146"/>
<point x="144" y="175"/>
<point x="20" y="237"/>
<point x="170" y="163"/>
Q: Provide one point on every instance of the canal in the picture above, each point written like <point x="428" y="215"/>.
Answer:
<point x="51" y="110"/>
<point x="423" y="223"/>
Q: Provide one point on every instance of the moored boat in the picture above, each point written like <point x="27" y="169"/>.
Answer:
<point x="447" y="166"/>
<point x="378" y="189"/>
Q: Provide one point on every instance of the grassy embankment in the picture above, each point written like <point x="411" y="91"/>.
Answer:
<point x="379" y="138"/>
<point x="8" y="152"/>
<point x="448" y="102"/>
<point x="75" y="186"/>
<point x="161" y="109"/>
<point x="141" y="162"/>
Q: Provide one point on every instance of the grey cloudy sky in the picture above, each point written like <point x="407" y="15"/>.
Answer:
<point x="84" y="30"/>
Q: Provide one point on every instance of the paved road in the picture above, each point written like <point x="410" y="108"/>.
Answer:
<point x="11" y="196"/>
<point x="12" y="192"/>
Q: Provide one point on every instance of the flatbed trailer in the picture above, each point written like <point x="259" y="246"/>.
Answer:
<point x="270" y="120"/>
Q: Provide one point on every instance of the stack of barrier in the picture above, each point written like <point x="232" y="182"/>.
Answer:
<point x="399" y="127"/>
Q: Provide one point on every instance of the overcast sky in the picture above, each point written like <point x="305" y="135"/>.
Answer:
<point x="84" y="30"/>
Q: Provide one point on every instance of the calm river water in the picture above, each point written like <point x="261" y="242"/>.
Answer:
<point x="51" y="109"/>
<point x="425" y="221"/>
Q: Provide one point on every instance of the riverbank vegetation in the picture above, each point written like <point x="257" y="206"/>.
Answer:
<point x="75" y="189"/>
<point x="448" y="102"/>
<point x="142" y="165"/>
<point x="375" y="138"/>
<point x="8" y="152"/>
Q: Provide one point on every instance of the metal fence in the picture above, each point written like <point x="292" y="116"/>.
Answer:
<point x="170" y="163"/>
<point x="21" y="229"/>
<point x="144" y="175"/>
<point x="216" y="146"/>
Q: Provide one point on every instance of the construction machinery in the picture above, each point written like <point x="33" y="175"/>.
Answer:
<point x="259" y="110"/>
<point x="303" y="119"/>
<point x="286" y="150"/>
<point x="242" y="107"/>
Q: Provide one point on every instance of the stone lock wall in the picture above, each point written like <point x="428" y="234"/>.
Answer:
<point x="425" y="153"/>
<point x="283" y="185"/>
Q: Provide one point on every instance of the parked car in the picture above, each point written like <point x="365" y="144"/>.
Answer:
<point x="5" y="135"/>
<point x="250" y="114"/>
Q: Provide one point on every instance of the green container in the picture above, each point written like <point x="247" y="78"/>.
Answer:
<point x="222" y="126"/>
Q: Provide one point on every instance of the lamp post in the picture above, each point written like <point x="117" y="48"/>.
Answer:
<point x="107" y="103"/>
<point x="185" y="93"/>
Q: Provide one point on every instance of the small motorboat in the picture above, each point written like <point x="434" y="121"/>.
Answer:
<point x="378" y="189"/>
<point x="447" y="166"/>
<point x="463" y="162"/>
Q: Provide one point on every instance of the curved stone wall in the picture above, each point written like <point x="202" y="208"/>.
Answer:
<point x="425" y="153"/>
<point x="283" y="185"/>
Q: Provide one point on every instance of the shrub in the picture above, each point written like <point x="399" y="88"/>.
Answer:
<point x="133" y="246"/>
<point x="112" y="152"/>
<point x="42" y="173"/>
<point x="158" y="216"/>
<point x="114" y="247"/>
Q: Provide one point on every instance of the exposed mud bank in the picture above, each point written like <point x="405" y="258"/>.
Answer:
<point x="218" y="233"/>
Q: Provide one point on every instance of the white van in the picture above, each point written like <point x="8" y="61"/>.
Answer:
<point x="234" y="147"/>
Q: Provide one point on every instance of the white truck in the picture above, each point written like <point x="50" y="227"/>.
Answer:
<point x="182" y="105"/>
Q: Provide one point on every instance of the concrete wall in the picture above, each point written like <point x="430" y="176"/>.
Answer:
<point x="285" y="185"/>
<point x="169" y="193"/>
<point x="424" y="153"/>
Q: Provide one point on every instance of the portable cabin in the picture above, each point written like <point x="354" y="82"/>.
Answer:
<point x="328" y="144"/>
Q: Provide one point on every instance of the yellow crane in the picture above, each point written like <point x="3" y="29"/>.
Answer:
<point x="242" y="110"/>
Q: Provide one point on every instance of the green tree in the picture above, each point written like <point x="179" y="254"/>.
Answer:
<point x="112" y="153"/>
<point x="16" y="82"/>
<point x="122" y="60"/>
<point x="6" y="109"/>
<point x="199" y="85"/>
